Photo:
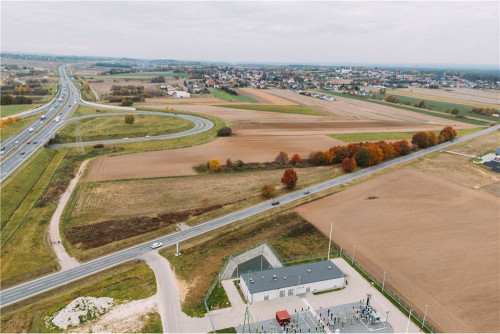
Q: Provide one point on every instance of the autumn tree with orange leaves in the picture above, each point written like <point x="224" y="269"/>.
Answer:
<point x="296" y="159"/>
<point x="289" y="178"/>
<point x="348" y="164"/>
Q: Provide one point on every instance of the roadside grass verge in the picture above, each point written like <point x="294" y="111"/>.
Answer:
<point x="203" y="256"/>
<point x="153" y="323"/>
<point x="25" y="251"/>
<point x="414" y="109"/>
<point x="114" y="203"/>
<point x="378" y="136"/>
<point x="16" y="127"/>
<point x="225" y="330"/>
<point x="218" y="299"/>
<point x="114" y="127"/>
<point x="126" y="282"/>
<point x="287" y="109"/>
<point x="222" y="95"/>
<point x="86" y="110"/>
<point x="15" y="108"/>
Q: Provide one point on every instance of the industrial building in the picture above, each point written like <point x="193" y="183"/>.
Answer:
<point x="288" y="281"/>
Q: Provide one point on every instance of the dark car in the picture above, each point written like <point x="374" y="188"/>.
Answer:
<point x="275" y="203"/>
<point x="35" y="142"/>
<point x="22" y="153"/>
<point x="3" y="148"/>
<point x="306" y="192"/>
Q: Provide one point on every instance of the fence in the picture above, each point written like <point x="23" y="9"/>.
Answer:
<point x="399" y="303"/>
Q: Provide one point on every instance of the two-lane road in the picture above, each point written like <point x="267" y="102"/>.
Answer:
<point x="55" y="280"/>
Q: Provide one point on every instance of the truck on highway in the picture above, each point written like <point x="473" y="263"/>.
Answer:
<point x="57" y="119"/>
<point x="43" y="117"/>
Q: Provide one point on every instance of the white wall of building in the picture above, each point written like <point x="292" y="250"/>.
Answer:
<point x="292" y="290"/>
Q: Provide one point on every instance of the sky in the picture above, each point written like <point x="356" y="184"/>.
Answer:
<point x="259" y="32"/>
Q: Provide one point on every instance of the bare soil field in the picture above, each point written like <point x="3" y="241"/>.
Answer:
<point x="457" y="95"/>
<point x="161" y="102"/>
<point x="351" y="109"/>
<point x="437" y="240"/>
<point x="181" y="161"/>
<point x="263" y="96"/>
<point x="105" y="87"/>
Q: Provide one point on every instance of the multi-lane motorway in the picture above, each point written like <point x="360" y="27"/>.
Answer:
<point x="16" y="150"/>
<point x="52" y="281"/>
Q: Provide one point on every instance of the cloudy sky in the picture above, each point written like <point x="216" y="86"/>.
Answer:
<point x="278" y="32"/>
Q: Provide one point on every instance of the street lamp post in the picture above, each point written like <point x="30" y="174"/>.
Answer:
<point x="330" y="241"/>
<point x="408" y="324"/>
<point x="383" y="283"/>
<point x="354" y="252"/>
<point x="425" y="315"/>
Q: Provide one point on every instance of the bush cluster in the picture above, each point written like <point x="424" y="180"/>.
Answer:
<point x="225" y="131"/>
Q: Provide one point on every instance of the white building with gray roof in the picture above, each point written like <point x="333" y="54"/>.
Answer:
<point x="276" y="283"/>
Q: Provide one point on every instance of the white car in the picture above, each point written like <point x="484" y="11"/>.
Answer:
<point x="31" y="129"/>
<point x="156" y="245"/>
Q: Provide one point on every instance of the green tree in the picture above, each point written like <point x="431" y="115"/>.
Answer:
<point x="362" y="157"/>
<point x="129" y="119"/>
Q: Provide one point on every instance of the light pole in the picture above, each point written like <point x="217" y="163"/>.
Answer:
<point x="330" y="241"/>
<point x="353" y="252"/>
<point x="425" y="315"/>
<point x="408" y="324"/>
<point x="387" y="318"/>
<point x="383" y="283"/>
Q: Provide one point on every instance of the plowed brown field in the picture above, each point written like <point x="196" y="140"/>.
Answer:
<point x="437" y="240"/>
<point x="181" y="161"/>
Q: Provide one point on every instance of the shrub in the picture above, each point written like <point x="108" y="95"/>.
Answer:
<point x="281" y="158"/>
<point x="455" y="111"/>
<point x="98" y="145"/>
<point x="224" y="132"/>
<point x="391" y="98"/>
<point x="362" y="157"/>
<point x="296" y="159"/>
<point x="129" y="119"/>
<point x="405" y="147"/>
<point x="268" y="190"/>
<point x="126" y="102"/>
<point x="240" y="163"/>
<point x="289" y="178"/>
<point x="420" y="104"/>
<point x="348" y="164"/>
<point x="214" y="165"/>
<point x="229" y="162"/>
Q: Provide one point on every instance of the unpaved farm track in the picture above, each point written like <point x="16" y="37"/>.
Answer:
<point x="437" y="240"/>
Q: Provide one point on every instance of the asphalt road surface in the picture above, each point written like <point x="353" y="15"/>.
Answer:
<point x="55" y="280"/>
<point x="42" y="130"/>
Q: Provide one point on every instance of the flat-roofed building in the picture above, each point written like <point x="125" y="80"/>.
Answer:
<point x="288" y="281"/>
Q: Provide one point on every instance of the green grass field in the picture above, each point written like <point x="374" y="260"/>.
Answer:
<point x="441" y="106"/>
<point x="15" y="108"/>
<point x="377" y="136"/>
<point x="287" y="109"/>
<point x="144" y="74"/>
<point x="230" y="98"/>
<point x="153" y="324"/>
<point x="114" y="127"/>
<point x="419" y="110"/>
<point x="126" y="282"/>
<point x="15" y="127"/>
<point x="25" y="252"/>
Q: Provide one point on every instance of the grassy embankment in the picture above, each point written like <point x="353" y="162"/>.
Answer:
<point x="414" y="109"/>
<point x="15" y="108"/>
<point x="222" y="95"/>
<point x="87" y="96"/>
<point x="125" y="282"/>
<point x="25" y="250"/>
<point x="114" y="127"/>
<point x="15" y="127"/>
<point x="153" y="324"/>
<point x="287" y="109"/>
<point x="168" y="74"/>
<point x="377" y="136"/>
<point x="202" y="257"/>
<point x="99" y="206"/>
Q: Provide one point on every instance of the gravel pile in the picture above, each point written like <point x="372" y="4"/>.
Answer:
<point x="80" y="310"/>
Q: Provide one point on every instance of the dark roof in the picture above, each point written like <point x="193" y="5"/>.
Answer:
<point x="278" y="278"/>
<point x="497" y="152"/>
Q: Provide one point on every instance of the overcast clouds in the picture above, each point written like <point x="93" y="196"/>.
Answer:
<point x="284" y="32"/>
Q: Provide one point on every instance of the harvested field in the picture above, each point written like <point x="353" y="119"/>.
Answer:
<point x="347" y="109"/>
<point x="162" y="102"/>
<point x="263" y="96"/>
<point x="437" y="240"/>
<point x="181" y="161"/>
<point x="103" y="88"/>
<point x="467" y="96"/>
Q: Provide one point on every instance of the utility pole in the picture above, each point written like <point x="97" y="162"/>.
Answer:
<point x="408" y="324"/>
<point x="383" y="283"/>
<point x="354" y="252"/>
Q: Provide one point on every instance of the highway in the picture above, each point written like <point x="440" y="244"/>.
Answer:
<point x="16" y="149"/>
<point x="26" y="290"/>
